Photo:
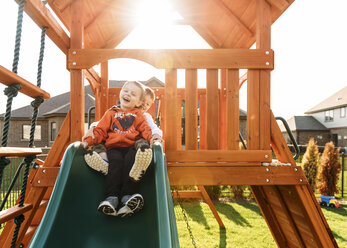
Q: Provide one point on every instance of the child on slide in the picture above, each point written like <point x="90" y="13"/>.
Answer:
<point x="97" y="157"/>
<point x="120" y="127"/>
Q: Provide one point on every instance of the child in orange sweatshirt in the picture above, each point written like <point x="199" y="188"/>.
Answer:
<point x="120" y="128"/>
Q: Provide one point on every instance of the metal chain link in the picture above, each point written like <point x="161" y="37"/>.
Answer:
<point x="185" y="218"/>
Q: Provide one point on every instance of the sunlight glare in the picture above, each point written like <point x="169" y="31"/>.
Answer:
<point x="155" y="12"/>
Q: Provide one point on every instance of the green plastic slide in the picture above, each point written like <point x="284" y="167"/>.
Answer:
<point x="72" y="219"/>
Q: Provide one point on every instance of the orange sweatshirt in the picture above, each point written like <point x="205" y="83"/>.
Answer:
<point x="120" y="128"/>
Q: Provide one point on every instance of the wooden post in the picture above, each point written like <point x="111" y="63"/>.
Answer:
<point x="104" y="89"/>
<point x="170" y="109"/>
<point x="212" y="107"/>
<point x="76" y="76"/>
<point x="191" y="106"/>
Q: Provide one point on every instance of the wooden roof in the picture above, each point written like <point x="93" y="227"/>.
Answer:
<point x="222" y="23"/>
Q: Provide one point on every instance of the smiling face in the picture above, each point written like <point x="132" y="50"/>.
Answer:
<point x="130" y="96"/>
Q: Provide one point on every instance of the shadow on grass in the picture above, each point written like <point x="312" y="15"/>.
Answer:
<point x="222" y="238"/>
<point x="231" y="214"/>
<point x="195" y="213"/>
<point x="340" y="238"/>
<point x="250" y="206"/>
<point x="342" y="210"/>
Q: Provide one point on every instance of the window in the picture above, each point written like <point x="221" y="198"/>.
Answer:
<point x="343" y="112"/>
<point x="53" y="130"/>
<point x="26" y="132"/>
<point x="329" y="115"/>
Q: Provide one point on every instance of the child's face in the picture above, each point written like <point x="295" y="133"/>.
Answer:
<point x="148" y="103"/>
<point x="130" y="96"/>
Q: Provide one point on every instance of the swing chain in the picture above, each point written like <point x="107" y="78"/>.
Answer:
<point x="185" y="218"/>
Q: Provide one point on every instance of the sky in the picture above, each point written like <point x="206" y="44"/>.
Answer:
<point x="309" y="41"/>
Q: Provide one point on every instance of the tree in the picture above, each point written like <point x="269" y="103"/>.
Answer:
<point x="310" y="163"/>
<point x="330" y="169"/>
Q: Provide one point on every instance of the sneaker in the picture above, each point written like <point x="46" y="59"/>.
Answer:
<point x="109" y="206"/>
<point x="143" y="159"/>
<point x="96" y="162"/>
<point x="132" y="204"/>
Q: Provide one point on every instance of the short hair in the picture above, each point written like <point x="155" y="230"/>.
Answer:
<point x="149" y="92"/>
<point x="138" y="84"/>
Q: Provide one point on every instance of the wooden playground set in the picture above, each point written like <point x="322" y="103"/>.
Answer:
<point x="211" y="154"/>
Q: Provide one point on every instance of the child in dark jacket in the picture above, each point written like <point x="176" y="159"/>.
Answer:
<point x="120" y="128"/>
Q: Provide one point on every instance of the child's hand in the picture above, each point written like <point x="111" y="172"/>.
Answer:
<point x="89" y="133"/>
<point x="156" y="138"/>
<point x="84" y="144"/>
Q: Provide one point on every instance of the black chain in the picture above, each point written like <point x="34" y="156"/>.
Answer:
<point x="185" y="218"/>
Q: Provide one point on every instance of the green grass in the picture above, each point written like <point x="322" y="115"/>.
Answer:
<point x="245" y="226"/>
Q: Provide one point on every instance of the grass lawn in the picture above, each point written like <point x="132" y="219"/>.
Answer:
<point x="245" y="226"/>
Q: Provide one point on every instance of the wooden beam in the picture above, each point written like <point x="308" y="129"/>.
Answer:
<point x="233" y="17"/>
<point x="212" y="107"/>
<point x="191" y="109"/>
<point x="76" y="75"/>
<point x="19" y="151"/>
<point x="11" y="213"/>
<point x="177" y="58"/>
<point x="279" y="4"/>
<point x="219" y="156"/>
<point x="45" y="176"/>
<point x="255" y="175"/>
<point x="43" y="18"/>
<point x="170" y="109"/>
<point x="93" y="79"/>
<point x="8" y="77"/>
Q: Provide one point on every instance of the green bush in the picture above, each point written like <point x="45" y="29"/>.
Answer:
<point x="310" y="163"/>
<point x="330" y="169"/>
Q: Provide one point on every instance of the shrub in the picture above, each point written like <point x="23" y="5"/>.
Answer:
<point x="214" y="192"/>
<point x="310" y="163"/>
<point x="330" y="168"/>
<point x="238" y="191"/>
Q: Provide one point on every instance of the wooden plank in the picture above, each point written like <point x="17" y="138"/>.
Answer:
<point x="11" y="213"/>
<point x="229" y="175"/>
<point x="219" y="155"/>
<point x="202" y="122"/>
<point x="43" y="18"/>
<point x="233" y="17"/>
<point x="103" y="101"/>
<point x="94" y="82"/>
<point x="286" y="212"/>
<point x="193" y="194"/>
<point x="8" y="77"/>
<point x="253" y="115"/>
<point x="170" y="109"/>
<point x="315" y="214"/>
<point x="191" y="107"/>
<point x="19" y="151"/>
<point x="211" y="206"/>
<point x="45" y="176"/>
<point x="222" y="128"/>
<point x="270" y="218"/>
<point x="177" y="58"/>
<point x="279" y="4"/>
<point x="232" y="111"/>
<point x="76" y="76"/>
<point x="212" y="109"/>
<point x="263" y="41"/>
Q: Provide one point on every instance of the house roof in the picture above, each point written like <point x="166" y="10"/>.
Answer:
<point x="107" y="23"/>
<point x="304" y="123"/>
<point x="337" y="100"/>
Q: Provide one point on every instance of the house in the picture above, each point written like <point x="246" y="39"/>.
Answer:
<point x="327" y="121"/>
<point x="52" y="113"/>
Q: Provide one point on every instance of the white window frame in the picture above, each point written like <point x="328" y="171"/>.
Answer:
<point x="26" y="132"/>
